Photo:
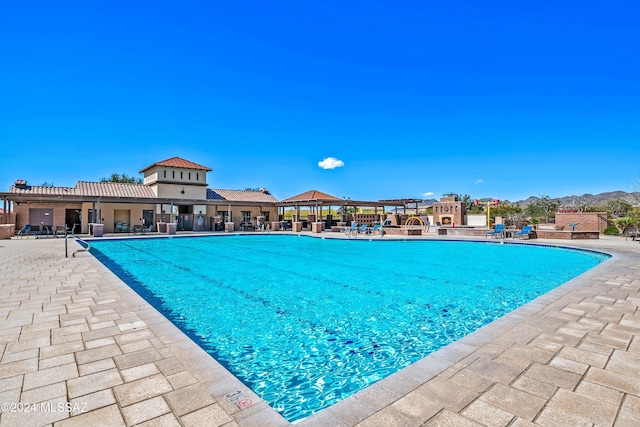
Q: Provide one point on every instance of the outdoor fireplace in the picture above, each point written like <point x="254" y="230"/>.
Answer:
<point x="449" y="211"/>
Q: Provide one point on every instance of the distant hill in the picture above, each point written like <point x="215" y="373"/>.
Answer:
<point x="591" y="199"/>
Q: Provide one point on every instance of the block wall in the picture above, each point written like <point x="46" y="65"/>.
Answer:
<point x="586" y="221"/>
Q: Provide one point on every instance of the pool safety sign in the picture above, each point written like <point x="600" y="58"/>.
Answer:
<point x="239" y="399"/>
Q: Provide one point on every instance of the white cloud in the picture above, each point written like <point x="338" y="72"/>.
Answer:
<point x="480" y="181"/>
<point x="330" y="163"/>
<point x="428" y="193"/>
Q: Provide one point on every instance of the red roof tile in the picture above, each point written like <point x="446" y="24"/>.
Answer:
<point x="178" y="162"/>
<point x="114" y="189"/>
<point x="89" y="189"/>
<point x="312" y="196"/>
<point x="240" y="196"/>
<point x="42" y="190"/>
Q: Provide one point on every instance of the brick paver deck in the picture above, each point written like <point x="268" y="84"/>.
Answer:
<point x="79" y="348"/>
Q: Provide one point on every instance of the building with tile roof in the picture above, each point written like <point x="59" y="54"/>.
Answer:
<point x="173" y="190"/>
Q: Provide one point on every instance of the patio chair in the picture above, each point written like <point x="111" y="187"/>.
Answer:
<point x="524" y="232"/>
<point x="25" y="231"/>
<point x="374" y="229"/>
<point x="498" y="231"/>
<point x="632" y="232"/>
<point x="60" y="230"/>
<point x="360" y="230"/>
<point x="246" y="226"/>
<point x="46" y="231"/>
<point x="349" y="231"/>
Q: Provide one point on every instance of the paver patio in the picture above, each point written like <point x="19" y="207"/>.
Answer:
<point x="78" y="347"/>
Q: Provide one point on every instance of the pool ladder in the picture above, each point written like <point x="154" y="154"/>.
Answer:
<point x="66" y="245"/>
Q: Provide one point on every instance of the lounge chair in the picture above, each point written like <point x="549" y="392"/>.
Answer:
<point x="350" y="231"/>
<point x="498" y="231"/>
<point x="632" y="232"/>
<point x="46" y="231"/>
<point x="360" y="230"/>
<point x="25" y="231"/>
<point x="524" y="232"/>
<point x="374" y="229"/>
<point x="246" y="226"/>
<point x="60" y="230"/>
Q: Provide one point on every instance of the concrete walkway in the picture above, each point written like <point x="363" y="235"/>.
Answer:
<point x="78" y="347"/>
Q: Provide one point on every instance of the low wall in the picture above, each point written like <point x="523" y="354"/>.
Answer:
<point x="585" y="221"/>
<point x="567" y="234"/>
<point x="7" y="230"/>
<point x="477" y="232"/>
<point x="392" y="231"/>
<point x="477" y="220"/>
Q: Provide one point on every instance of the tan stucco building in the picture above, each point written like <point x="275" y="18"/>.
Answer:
<point x="173" y="191"/>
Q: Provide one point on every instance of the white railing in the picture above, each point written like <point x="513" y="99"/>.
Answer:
<point x="66" y="245"/>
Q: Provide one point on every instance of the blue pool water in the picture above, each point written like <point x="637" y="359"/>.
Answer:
<point x="306" y="322"/>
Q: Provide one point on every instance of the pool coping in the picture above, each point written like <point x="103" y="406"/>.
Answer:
<point x="427" y="391"/>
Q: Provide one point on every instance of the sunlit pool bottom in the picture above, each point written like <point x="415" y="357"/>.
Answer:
<point x="307" y="322"/>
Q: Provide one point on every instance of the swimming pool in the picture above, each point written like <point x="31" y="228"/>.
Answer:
<point x="306" y="322"/>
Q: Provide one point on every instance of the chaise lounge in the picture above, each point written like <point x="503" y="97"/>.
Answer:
<point x="25" y="231"/>
<point x="498" y="231"/>
<point x="524" y="232"/>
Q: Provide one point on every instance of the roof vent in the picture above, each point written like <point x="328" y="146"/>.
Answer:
<point x="21" y="183"/>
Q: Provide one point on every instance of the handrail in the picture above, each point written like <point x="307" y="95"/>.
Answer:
<point x="66" y="246"/>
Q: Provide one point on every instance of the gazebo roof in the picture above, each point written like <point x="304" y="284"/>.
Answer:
<point x="317" y="198"/>
<point x="178" y="162"/>
<point x="312" y="196"/>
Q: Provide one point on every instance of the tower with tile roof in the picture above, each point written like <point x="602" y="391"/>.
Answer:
<point x="177" y="178"/>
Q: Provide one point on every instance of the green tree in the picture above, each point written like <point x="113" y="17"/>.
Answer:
<point x="512" y="212"/>
<point x="346" y="210"/>
<point x="635" y="194"/>
<point x="582" y="203"/>
<point x="470" y="205"/>
<point x="544" y="206"/>
<point x="124" y="178"/>
<point x="616" y="208"/>
<point x="625" y="221"/>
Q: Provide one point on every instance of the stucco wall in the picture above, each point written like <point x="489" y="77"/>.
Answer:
<point x="59" y="212"/>
<point x="586" y="221"/>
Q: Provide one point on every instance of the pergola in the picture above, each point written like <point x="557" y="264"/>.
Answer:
<point x="316" y="200"/>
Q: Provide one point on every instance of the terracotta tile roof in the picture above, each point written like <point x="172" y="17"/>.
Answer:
<point x="240" y="196"/>
<point x="89" y="189"/>
<point x="114" y="189"/>
<point x="40" y="190"/>
<point x="312" y="196"/>
<point x="135" y="191"/>
<point x="178" y="162"/>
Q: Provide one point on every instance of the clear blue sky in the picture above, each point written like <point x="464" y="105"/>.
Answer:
<point x="492" y="99"/>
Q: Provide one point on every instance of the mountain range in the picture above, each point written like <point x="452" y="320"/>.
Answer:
<point x="590" y="199"/>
